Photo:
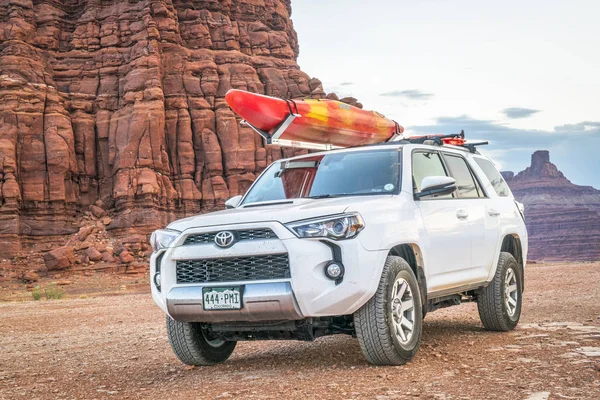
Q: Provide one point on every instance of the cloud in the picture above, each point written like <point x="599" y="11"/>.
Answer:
<point x="342" y="90"/>
<point x="412" y="94"/>
<point x="517" y="112"/>
<point x="582" y="127"/>
<point x="573" y="147"/>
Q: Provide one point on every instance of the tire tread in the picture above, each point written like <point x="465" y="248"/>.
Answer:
<point x="490" y="300"/>
<point x="371" y="323"/>
<point x="188" y="344"/>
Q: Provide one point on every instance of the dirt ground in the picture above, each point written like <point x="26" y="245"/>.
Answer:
<point x="116" y="347"/>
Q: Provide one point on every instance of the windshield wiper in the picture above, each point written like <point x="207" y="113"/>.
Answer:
<point x="325" y="196"/>
<point x="331" y="196"/>
<point x="269" y="203"/>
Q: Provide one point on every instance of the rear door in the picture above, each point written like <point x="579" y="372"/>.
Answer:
<point x="446" y="237"/>
<point x="501" y="211"/>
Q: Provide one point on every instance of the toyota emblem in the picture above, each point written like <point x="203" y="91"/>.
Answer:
<point x="225" y="239"/>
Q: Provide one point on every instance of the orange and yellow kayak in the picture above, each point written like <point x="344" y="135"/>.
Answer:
<point x="328" y="122"/>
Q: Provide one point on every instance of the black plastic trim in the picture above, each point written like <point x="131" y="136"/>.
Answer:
<point x="158" y="261"/>
<point x="336" y="254"/>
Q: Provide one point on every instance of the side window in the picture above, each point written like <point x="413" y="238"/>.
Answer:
<point x="467" y="186"/>
<point x="426" y="164"/>
<point x="494" y="176"/>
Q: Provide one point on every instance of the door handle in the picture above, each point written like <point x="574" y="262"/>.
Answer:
<point x="462" y="213"/>
<point x="493" y="213"/>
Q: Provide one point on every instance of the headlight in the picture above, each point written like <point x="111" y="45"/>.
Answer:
<point x="342" y="227"/>
<point x="162" y="238"/>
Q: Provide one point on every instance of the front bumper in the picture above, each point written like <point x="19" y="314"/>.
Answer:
<point x="271" y="301"/>
<point x="306" y="293"/>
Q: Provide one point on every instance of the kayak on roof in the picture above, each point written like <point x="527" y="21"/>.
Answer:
<point x="324" y="122"/>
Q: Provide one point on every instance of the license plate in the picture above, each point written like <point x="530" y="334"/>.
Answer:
<point x="222" y="298"/>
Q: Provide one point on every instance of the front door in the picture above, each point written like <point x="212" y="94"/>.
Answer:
<point x="446" y="232"/>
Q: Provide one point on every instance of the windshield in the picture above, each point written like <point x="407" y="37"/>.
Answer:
<point x="355" y="173"/>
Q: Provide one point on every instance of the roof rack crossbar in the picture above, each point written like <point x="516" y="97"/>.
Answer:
<point x="277" y="131"/>
<point x="438" y="140"/>
<point x="471" y="146"/>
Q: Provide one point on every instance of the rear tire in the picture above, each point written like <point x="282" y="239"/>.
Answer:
<point x="193" y="345"/>
<point x="389" y="325"/>
<point x="499" y="304"/>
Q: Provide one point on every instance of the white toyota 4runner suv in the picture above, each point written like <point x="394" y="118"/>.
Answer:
<point x="363" y="241"/>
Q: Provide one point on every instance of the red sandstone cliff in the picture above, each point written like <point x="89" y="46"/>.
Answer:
<point x="120" y="105"/>
<point x="563" y="219"/>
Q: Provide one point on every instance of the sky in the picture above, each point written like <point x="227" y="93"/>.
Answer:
<point x="524" y="75"/>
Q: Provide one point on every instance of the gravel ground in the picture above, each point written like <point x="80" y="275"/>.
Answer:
<point x="116" y="347"/>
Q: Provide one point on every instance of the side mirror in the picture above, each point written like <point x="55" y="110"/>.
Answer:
<point x="233" y="202"/>
<point x="436" y="186"/>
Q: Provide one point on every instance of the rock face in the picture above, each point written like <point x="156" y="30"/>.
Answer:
<point x="116" y="108"/>
<point x="563" y="219"/>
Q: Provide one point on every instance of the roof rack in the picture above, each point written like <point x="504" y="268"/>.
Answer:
<point x="454" y="139"/>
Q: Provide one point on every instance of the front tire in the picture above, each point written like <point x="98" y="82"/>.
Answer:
<point x="499" y="303"/>
<point x="389" y="325"/>
<point x="194" y="346"/>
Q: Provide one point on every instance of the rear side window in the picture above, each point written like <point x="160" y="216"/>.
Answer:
<point x="494" y="176"/>
<point x="467" y="186"/>
<point x="426" y="164"/>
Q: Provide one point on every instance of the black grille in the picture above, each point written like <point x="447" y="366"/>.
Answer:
<point x="247" y="234"/>
<point x="272" y="266"/>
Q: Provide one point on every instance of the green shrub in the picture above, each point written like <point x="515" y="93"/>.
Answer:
<point x="36" y="293"/>
<point x="54" y="292"/>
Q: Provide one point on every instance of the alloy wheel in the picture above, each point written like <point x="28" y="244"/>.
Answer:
<point x="403" y="310"/>
<point x="511" y="293"/>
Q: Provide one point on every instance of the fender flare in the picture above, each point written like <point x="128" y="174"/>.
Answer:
<point x="510" y="242"/>
<point x="411" y="253"/>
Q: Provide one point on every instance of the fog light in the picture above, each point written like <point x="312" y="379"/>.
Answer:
<point x="334" y="270"/>
<point x="157" y="280"/>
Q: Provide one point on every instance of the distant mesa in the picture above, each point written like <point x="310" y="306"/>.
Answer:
<point x="507" y="175"/>
<point x="563" y="219"/>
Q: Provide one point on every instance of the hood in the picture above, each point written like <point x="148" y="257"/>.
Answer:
<point x="281" y="211"/>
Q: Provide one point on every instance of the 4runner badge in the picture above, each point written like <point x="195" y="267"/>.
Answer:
<point x="225" y="239"/>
